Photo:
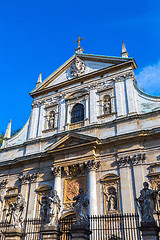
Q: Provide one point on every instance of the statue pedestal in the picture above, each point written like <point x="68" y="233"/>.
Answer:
<point x="80" y="232"/>
<point x="150" y="231"/>
<point x="50" y="233"/>
<point x="13" y="234"/>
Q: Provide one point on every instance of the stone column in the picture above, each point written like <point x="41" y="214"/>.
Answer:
<point x="80" y="232"/>
<point x="149" y="231"/>
<point x="92" y="186"/>
<point x="57" y="179"/>
<point x="13" y="234"/>
<point x="50" y="233"/>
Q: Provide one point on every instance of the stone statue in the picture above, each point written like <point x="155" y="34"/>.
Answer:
<point x="44" y="211"/>
<point x="147" y="201"/>
<point x="80" y="207"/>
<point x="9" y="213"/>
<point x="111" y="198"/>
<point x="51" y="119"/>
<point x="107" y="105"/>
<point x="15" y="212"/>
<point x="54" y="209"/>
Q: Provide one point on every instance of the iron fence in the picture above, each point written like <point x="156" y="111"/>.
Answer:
<point x="103" y="227"/>
<point x="116" y="226"/>
<point x="106" y="227"/>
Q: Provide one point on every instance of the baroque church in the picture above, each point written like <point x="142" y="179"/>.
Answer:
<point x="90" y="127"/>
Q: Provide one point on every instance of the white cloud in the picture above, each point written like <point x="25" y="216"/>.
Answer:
<point x="149" y="79"/>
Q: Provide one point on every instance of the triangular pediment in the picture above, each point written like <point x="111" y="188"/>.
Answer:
<point x="71" y="140"/>
<point x="77" y="66"/>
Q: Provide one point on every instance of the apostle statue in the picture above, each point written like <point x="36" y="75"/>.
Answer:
<point x="111" y="198"/>
<point x="147" y="201"/>
<point x="44" y="211"/>
<point x="54" y="209"/>
<point x="15" y="212"/>
<point x="80" y="207"/>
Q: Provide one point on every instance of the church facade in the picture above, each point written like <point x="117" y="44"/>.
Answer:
<point x="90" y="127"/>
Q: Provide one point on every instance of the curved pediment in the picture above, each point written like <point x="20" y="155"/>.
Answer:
<point x="109" y="177"/>
<point x="77" y="94"/>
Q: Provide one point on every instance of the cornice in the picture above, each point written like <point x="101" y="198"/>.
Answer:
<point x="89" y="127"/>
<point x="109" y="69"/>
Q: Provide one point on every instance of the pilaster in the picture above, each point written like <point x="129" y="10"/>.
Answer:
<point x="93" y="104"/>
<point x="120" y="96"/>
<point x="34" y="121"/>
<point x="62" y="113"/>
<point x="129" y="78"/>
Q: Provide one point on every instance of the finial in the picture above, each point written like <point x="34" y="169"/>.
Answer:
<point x="39" y="79"/>
<point x="124" y="51"/>
<point x="79" y="49"/>
<point x="7" y="135"/>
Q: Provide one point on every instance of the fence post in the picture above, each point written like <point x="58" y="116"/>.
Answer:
<point x="149" y="231"/>
<point x="50" y="233"/>
<point x="80" y="232"/>
<point x="13" y="233"/>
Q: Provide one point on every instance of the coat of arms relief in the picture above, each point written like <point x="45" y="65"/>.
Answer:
<point x="77" y="67"/>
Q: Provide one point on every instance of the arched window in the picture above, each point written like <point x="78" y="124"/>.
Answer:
<point x="77" y="113"/>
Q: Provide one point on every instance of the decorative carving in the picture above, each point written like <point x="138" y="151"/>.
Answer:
<point x="77" y="67"/>
<point x="93" y="165"/>
<point x="72" y="186"/>
<point x="3" y="183"/>
<point x="15" y="212"/>
<point x="135" y="159"/>
<point x="74" y="170"/>
<point x="147" y="201"/>
<point x="56" y="171"/>
<point x="54" y="209"/>
<point x="80" y="207"/>
<point x="124" y="76"/>
<point x="71" y="170"/>
<point x="28" y="178"/>
<point x="68" y="206"/>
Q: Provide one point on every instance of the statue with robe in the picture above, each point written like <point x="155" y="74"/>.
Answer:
<point x="44" y="211"/>
<point x="147" y="201"/>
<point x="54" y="206"/>
<point x="15" y="212"/>
<point x="80" y="207"/>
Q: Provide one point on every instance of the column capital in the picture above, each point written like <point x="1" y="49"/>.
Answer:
<point x="3" y="183"/>
<point x="93" y="165"/>
<point x="56" y="171"/>
<point x="28" y="178"/>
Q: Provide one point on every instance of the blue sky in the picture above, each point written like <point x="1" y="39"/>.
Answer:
<point x="39" y="35"/>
